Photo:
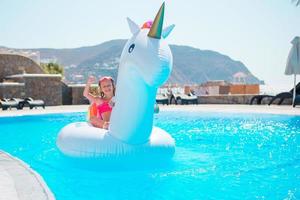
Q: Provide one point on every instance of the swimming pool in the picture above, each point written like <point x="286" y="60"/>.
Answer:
<point x="218" y="156"/>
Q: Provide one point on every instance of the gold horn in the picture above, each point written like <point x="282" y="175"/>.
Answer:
<point x="156" y="28"/>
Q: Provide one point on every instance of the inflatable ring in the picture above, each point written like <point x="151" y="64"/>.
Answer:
<point x="80" y="139"/>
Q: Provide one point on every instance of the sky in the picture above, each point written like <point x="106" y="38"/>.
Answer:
<point x="256" y="32"/>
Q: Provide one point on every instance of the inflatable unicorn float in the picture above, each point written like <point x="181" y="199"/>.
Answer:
<point x="145" y="64"/>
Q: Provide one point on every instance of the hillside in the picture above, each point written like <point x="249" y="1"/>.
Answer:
<point x="191" y="65"/>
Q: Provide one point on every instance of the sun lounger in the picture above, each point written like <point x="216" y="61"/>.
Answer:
<point x="285" y="95"/>
<point x="33" y="103"/>
<point x="162" y="99"/>
<point x="188" y="99"/>
<point x="259" y="98"/>
<point x="297" y="101"/>
<point x="19" y="101"/>
<point x="185" y="99"/>
<point x="9" y="103"/>
<point x="178" y="96"/>
<point x="281" y="96"/>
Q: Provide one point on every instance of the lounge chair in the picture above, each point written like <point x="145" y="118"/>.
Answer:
<point x="297" y="101"/>
<point x="181" y="98"/>
<point x="162" y="99"/>
<point x="19" y="101"/>
<point x="259" y="98"/>
<point x="285" y="95"/>
<point x="9" y="103"/>
<point x="187" y="99"/>
<point x="33" y="103"/>
<point x="281" y="96"/>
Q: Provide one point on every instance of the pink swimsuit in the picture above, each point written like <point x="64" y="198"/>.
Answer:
<point x="102" y="108"/>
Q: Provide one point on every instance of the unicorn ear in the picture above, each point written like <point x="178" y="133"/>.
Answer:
<point x="134" y="28"/>
<point x="167" y="30"/>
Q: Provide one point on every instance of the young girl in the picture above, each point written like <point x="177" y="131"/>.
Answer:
<point x="103" y="102"/>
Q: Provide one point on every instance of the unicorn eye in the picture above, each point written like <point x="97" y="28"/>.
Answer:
<point x="131" y="48"/>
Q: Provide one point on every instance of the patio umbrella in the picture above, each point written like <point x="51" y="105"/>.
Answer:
<point x="293" y="62"/>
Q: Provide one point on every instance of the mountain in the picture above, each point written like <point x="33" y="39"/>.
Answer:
<point x="190" y="65"/>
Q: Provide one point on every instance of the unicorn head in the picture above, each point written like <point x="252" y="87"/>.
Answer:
<point x="145" y="64"/>
<point x="147" y="52"/>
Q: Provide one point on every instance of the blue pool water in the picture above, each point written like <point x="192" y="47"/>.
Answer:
<point x="218" y="156"/>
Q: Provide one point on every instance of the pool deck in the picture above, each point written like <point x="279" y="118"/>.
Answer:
<point x="18" y="181"/>
<point x="273" y="109"/>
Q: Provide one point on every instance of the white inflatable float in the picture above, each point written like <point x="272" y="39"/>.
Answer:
<point x="145" y="64"/>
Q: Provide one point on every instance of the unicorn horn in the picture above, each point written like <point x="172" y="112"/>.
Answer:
<point x="156" y="28"/>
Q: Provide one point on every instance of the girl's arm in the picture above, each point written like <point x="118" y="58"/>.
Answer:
<point x="106" y="119"/>
<point x="106" y="116"/>
<point x="86" y="91"/>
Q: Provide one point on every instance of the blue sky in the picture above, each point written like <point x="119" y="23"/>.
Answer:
<point x="255" y="32"/>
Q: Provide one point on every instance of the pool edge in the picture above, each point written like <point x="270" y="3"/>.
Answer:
<point x="220" y="108"/>
<point x="18" y="170"/>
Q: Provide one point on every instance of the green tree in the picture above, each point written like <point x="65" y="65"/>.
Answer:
<point x="52" y="68"/>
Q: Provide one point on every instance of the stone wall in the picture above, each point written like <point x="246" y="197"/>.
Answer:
<point x="11" y="64"/>
<point x="12" y="90"/>
<point x="76" y="91"/>
<point x="77" y="94"/>
<point x="236" y="99"/>
<point x="225" y="99"/>
<point x="47" y="87"/>
<point x="66" y="94"/>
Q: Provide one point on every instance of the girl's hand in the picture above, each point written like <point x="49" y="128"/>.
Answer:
<point x="91" y="80"/>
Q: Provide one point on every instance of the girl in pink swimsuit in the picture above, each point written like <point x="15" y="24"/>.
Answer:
<point x="103" y="102"/>
<point x="103" y="108"/>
